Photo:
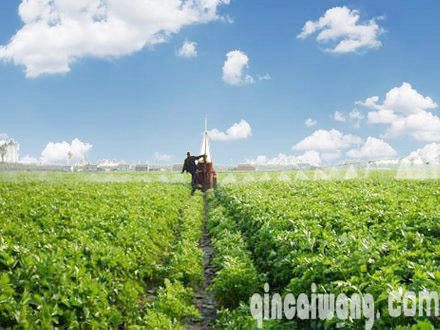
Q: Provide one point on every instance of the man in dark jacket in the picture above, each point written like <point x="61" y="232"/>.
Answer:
<point x="190" y="167"/>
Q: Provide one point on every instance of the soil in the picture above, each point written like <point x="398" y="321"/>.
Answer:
<point x="204" y="299"/>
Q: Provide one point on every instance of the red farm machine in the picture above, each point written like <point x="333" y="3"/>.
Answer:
<point x="205" y="169"/>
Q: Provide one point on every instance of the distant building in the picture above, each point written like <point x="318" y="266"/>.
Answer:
<point x="352" y="162"/>
<point x="245" y="167"/>
<point x="108" y="165"/>
<point x="387" y="162"/>
<point x="123" y="167"/>
<point x="155" y="168"/>
<point x="90" y="168"/>
<point x="417" y="161"/>
<point x="224" y="168"/>
<point x="142" y="168"/>
<point x="9" y="151"/>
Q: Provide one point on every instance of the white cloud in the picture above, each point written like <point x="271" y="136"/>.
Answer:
<point x="234" y="67"/>
<point x="260" y="160"/>
<point x="162" y="157"/>
<point x="330" y="156"/>
<point x="422" y="126"/>
<point x="320" y="146"/>
<point x="56" y="152"/>
<point x="237" y="131"/>
<point x="265" y="76"/>
<point x="356" y="116"/>
<point x="188" y="49"/>
<point x="403" y="100"/>
<point x="406" y="112"/>
<point x="327" y="141"/>
<point x="373" y="148"/>
<point x="370" y="102"/>
<point x="406" y="100"/>
<point x="56" y="33"/>
<point x="3" y="136"/>
<point x="309" y="157"/>
<point x="341" y="26"/>
<point x="29" y="160"/>
<point x="310" y="122"/>
<point x="429" y="152"/>
<point x="339" y="116"/>
<point x="381" y="117"/>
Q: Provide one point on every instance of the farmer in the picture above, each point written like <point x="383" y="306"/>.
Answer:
<point x="190" y="166"/>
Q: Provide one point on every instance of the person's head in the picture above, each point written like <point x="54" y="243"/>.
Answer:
<point x="188" y="154"/>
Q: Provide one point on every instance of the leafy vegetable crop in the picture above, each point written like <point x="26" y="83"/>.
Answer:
<point x="354" y="236"/>
<point x="107" y="251"/>
<point x="75" y="254"/>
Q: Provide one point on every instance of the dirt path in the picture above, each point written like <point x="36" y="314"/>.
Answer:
<point x="204" y="299"/>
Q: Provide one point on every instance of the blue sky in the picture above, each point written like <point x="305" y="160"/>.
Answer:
<point x="132" y="104"/>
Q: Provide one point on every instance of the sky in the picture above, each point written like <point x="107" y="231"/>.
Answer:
<point x="281" y="81"/>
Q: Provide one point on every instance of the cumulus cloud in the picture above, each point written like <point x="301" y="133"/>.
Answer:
<point x="56" y="33"/>
<point x="330" y="156"/>
<point x="429" y="152"/>
<point x="372" y="148"/>
<point x="3" y="136"/>
<point x="234" y="69"/>
<point x="341" y="27"/>
<point x="370" y="102"/>
<point x="339" y="116"/>
<point x="265" y="76"/>
<point x="29" y="160"/>
<point x="422" y="126"/>
<point x="403" y="100"/>
<point x="356" y="117"/>
<point x="240" y="130"/>
<point x="56" y="152"/>
<point x="327" y="144"/>
<point x="260" y="160"/>
<point x="188" y="49"/>
<point x="309" y="157"/>
<point x="331" y="141"/>
<point x="310" y="122"/>
<point x="160" y="157"/>
<point x="381" y="117"/>
<point x="324" y="146"/>
<point x="405" y="112"/>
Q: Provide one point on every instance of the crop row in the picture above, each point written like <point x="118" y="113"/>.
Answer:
<point x="361" y="236"/>
<point x="98" y="255"/>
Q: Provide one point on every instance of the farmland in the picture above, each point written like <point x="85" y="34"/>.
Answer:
<point x="118" y="250"/>
<point x="81" y="253"/>
<point x="355" y="236"/>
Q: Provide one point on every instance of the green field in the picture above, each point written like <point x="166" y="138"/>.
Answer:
<point x="122" y="249"/>
<point x="354" y="236"/>
<point x="77" y="252"/>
